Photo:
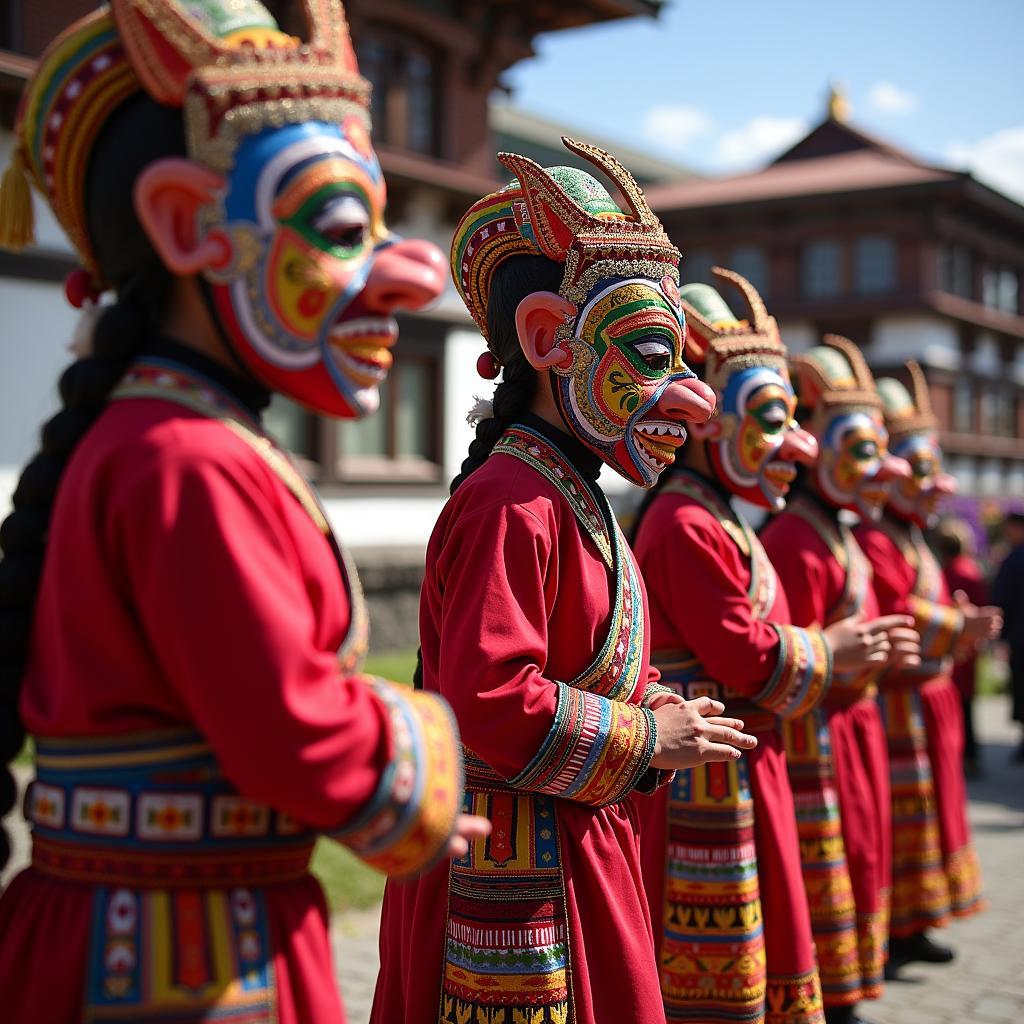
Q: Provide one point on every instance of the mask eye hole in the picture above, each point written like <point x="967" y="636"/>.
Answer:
<point x="773" y="416"/>
<point x="657" y="354"/>
<point x="344" y="222"/>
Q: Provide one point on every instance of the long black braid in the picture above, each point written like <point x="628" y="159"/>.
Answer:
<point x="513" y="281"/>
<point x="138" y="133"/>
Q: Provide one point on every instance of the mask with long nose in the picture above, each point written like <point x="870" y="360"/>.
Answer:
<point x="913" y="429"/>
<point x="754" y="444"/>
<point x="855" y="469"/>
<point x="612" y="338"/>
<point x="279" y="207"/>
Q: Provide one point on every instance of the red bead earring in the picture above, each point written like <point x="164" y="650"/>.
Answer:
<point x="487" y="366"/>
<point x="79" y="288"/>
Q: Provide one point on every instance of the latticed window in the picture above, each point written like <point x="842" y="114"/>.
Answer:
<point x="405" y="75"/>
<point x="874" y="265"/>
<point x="821" y="269"/>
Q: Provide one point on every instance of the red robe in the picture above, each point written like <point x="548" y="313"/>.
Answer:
<point x="190" y="710"/>
<point x="547" y="919"/>
<point x="838" y="761"/>
<point x="721" y="851"/>
<point x="908" y="580"/>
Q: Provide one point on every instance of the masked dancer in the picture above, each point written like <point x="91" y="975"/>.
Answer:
<point x="182" y="633"/>
<point x="720" y="849"/>
<point x="836" y="756"/>
<point x="534" y="620"/>
<point x="935" y="867"/>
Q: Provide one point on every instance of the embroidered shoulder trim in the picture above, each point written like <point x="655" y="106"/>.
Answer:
<point x="764" y="582"/>
<point x="537" y="451"/>
<point x="843" y="547"/>
<point x="151" y="377"/>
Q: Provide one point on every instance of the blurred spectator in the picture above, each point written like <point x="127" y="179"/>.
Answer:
<point x="1008" y="593"/>
<point x="955" y="543"/>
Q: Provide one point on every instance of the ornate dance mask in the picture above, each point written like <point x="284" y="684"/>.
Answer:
<point x="854" y="469"/>
<point x="754" y="443"/>
<point x="913" y="436"/>
<point x="280" y="205"/>
<point x="617" y="370"/>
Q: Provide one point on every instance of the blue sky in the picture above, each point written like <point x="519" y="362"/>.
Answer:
<point x="723" y="85"/>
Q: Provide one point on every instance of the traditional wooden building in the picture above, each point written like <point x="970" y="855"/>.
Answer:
<point x="849" y="234"/>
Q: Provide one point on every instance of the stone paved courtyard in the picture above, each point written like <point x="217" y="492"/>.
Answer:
<point x="985" y="985"/>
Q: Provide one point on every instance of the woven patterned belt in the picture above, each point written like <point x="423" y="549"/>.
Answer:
<point x="154" y="809"/>
<point x="688" y="677"/>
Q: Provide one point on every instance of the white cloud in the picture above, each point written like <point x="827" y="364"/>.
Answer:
<point x="887" y="98"/>
<point x="997" y="159"/>
<point x="760" y="138"/>
<point x="674" y="128"/>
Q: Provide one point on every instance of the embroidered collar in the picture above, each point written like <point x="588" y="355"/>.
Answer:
<point x="244" y="391"/>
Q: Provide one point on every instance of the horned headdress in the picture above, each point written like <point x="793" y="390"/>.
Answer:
<point x="833" y="375"/>
<point x="907" y="412"/>
<point x="567" y="215"/>
<point x="228" y="67"/>
<point x="722" y="344"/>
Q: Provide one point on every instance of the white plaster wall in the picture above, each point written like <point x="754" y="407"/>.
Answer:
<point x="990" y="478"/>
<point x="35" y="327"/>
<point x="985" y="358"/>
<point x="930" y="340"/>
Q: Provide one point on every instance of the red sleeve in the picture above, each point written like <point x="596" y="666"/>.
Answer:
<point x="893" y="577"/>
<point x="784" y="668"/>
<point x="938" y="624"/>
<point x="214" y="573"/>
<point x="498" y="579"/>
<point x="802" y="563"/>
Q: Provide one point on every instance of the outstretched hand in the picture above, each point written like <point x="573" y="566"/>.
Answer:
<point x="691" y="733"/>
<point x="981" y="622"/>
<point x="858" y="643"/>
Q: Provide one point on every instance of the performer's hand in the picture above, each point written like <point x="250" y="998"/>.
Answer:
<point x="659" y="700"/>
<point x="857" y="643"/>
<point x="467" y="828"/>
<point x="906" y="648"/>
<point x="690" y="733"/>
<point x="980" y="623"/>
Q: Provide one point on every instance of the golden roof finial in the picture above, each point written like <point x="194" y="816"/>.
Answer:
<point x="838" y="104"/>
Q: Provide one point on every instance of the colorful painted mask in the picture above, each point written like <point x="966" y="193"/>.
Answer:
<point x="757" y="442"/>
<point x="307" y="275"/>
<point x="623" y="343"/>
<point x="913" y="432"/>
<point x="854" y="470"/>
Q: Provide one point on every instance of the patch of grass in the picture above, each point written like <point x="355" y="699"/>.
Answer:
<point x="347" y="881"/>
<point x="992" y="675"/>
<point x="27" y="753"/>
<point x="398" y="666"/>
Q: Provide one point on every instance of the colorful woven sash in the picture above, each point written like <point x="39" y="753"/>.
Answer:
<point x="153" y="809"/>
<point x="851" y="948"/>
<point x="507" y="956"/>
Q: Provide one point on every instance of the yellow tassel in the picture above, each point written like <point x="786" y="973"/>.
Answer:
<point x="17" y="221"/>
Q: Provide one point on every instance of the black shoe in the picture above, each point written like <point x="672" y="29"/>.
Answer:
<point x="919" y="947"/>
<point x="843" y="1015"/>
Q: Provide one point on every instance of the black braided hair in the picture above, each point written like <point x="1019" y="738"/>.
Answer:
<point x="138" y="133"/>
<point x="513" y="280"/>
